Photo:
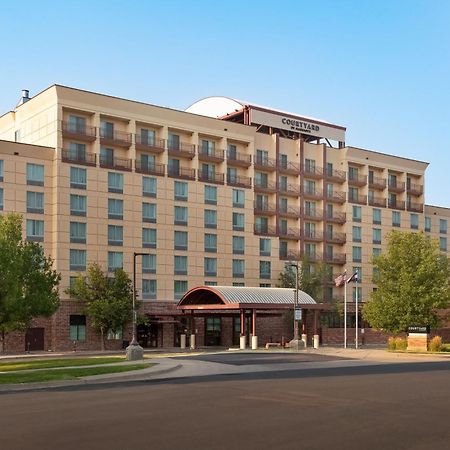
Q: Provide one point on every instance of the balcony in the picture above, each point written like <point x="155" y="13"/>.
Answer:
<point x="211" y="177"/>
<point x="356" y="198"/>
<point x="264" y="208"/>
<point x="414" y="189"/>
<point x="313" y="194"/>
<point x="377" y="183"/>
<point x="335" y="258"/>
<point x="396" y="204"/>
<point x="313" y="172"/>
<point x="414" y="207"/>
<point x="239" y="159"/>
<point x="151" y="169"/>
<point x="76" y="157"/>
<point x="336" y="217"/>
<point x="290" y="255"/>
<point x="150" y="144"/>
<point x="239" y="181"/>
<point x="397" y="186"/>
<point x="313" y="256"/>
<point x="181" y="149"/>
<point x="289" y="233"/>
<point x="265" y="186"/>
<point x="266" y="164"/>
<point x="265" y="230"/>
<point x="357" y="180"/>
<point x="335" y="238"/>
<point x="78" y="132"/>
<point x="377" y="201"/>
<point x="337" y="176"/>
<point x="289" y="211"/>
<point x="184" y="173"/>
<point x="115" y="163"/>
<point x="292" y="190"/>
<point x="115" y="138"/>
<point x="313" y="236"/>
<point x="335" y="197"/>
<point x="288" y="168"/>
<point x="310" y="214"/>
<point x="211" y="155"/>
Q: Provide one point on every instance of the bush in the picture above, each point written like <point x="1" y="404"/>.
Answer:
<point x="391" y="343"/>
<point x="401" y="343"/>
<point x="435" y="345"/>
<point x="445" y="348"/>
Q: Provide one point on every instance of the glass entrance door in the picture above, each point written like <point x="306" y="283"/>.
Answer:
<point x="212" y="331"/>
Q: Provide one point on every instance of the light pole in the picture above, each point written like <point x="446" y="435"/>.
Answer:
<point x="134" y="350"/>
<point x="295" y="303"/>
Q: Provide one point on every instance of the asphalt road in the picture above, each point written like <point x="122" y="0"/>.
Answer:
<point x="395" y="406"/>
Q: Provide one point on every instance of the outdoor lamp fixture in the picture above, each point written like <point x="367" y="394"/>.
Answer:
<point x="295" y="302"/>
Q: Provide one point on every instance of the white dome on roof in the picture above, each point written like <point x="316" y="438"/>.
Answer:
<point x="215" y="106"/>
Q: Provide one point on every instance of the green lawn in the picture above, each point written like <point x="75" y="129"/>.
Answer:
<point x="53" y="363"/>
<point x="66" y="374"/>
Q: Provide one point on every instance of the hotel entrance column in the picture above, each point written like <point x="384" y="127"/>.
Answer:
<point x="254" y="336"/>
<point x="242" y="339"/>
<point x="192" y="342"/>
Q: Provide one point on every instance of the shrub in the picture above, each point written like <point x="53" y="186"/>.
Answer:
<point x="401" y="343"/>
<point x="435" y="345"/>
<point x="445" y="348"/>
<point x="391" y="343"/>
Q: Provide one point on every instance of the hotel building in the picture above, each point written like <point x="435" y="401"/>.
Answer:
<point x="223" y="193"/>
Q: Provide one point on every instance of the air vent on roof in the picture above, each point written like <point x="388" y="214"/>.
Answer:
<point x="25" y="97"/>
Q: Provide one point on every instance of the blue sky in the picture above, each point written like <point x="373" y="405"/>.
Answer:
<point x="380" y="68"/>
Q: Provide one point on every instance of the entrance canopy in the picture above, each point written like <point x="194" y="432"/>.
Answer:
<point x="237" y="297"/>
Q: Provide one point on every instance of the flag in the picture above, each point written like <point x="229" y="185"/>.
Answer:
<point x="340" y="279"/>
<point x="354" y="277"/>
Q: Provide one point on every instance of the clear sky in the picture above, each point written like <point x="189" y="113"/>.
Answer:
<point x="381" y="68"/>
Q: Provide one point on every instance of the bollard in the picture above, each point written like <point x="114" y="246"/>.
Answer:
<point x="316" y="341"/>
<point x="182" y="341"/>
<point x="242" y="342"/>
<point x="304" y="339"/>
<point x="254" y="342"/>
<point x="192" y="342"/>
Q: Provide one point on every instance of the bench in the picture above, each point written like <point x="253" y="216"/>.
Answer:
<point x="272" y="344"/>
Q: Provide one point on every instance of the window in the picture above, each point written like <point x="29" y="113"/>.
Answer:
<point x="210" y="267"/>
<point x="232" y="175"/>
<point x="210" y="283"/>
<point x="149" y="212"/>
<point x="392" y="180"/>
<point x="238" y="268"/>
<point x="329" y="169"/>
<point x="262" y="157"/>
<point x="359" y="270"/>
<point x="77" y="124"/>
<point x="211" y="195"/>
<point x="265" y="270"/>
<point x="376" y="252"/>
<point x="356" y="234"/>
<point x="148" y="263"/>
<point x="238" y="283"/>
<point x="310" y="209"/>
<point x="77" y="259"/>
<point x="35" y="174"/>
<point x="238" y="198"/>
<point x="1" y="169"/>
<point x="414" y="221"/>
<point x="115" y="182"/>
<point x="147" y="137"/>
<point x="238" y="245"/>
<point x="261" y="179"/>
<point x="114" y="335"/>
<point x="180" y="240"/>
<point x="1" y="199"/>
<point x="310" y="186"/>
<point x="238" y="221"/>
<point x="376" y="235"/>
<point x="357" y="291"/>
<point x="283" y="250"/>
<point x="443" y="226"/>
<point x="180" y="265"/>
<point x="352" y="173"/>
<point x="265" y="247"/>
<point x="356" y="210"/>
<point x="180" y="215"/>
<point x="207" y="147"/>
<point x="357" y="254"/>
<point x="35" y="202"/>
<point x="232" y="151"/>
<point x="179" y="288"/>
<point x="310" y="165"/>
<point x="115" y="261"/>
<point x="353" y="194"/>
<point x="266" y="285"/>
<point x="115" y="208"/>
<point x="210" y="218"/>
<point x="396" y="218"/>
<point x="78" y="232"/>
<point x="375" y="274"/>
<point x="115" y="235"/>
<point x="78" y="178"/>
<point x="180" y="190"/>
<point x="106" y="157"/>
<point x="107" y="129"/>
<point x="148" y="289"/>
<point x="35" y="230"/>
<point x="148" y="162"/>
<point x="77" y="152"/>
<point x="77" y="328"/>
<point x="210" y="243"/>
<point x="173" y="142"/>
<point x="310" y="250"/>
<point x="376" y="216"/>
<point x="148" y="238"/>
<point x="427" y="223"/>
<point x="283" y="182"/>
<point x="443" y="244"/>
<point x="261" y="224"/>
<point x="149" y="186"/>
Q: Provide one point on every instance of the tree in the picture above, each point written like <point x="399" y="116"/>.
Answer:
<point x="28" y="283"/>
<point x="413" y="283"/>
<point x="108" y="301"/>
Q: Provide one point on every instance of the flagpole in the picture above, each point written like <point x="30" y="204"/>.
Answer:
<point x="356" y="307"/>
<point x="345" y="311"/>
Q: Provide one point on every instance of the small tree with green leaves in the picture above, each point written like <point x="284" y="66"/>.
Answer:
<point x="28" y="283"/>
<point x="413" y="281"/>
<point x="108" y="301"/>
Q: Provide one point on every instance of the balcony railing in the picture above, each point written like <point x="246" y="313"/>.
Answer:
<point x="290" y="189"/>
<point x="335" y="258"/>
<point x="75" y="157"/>
<point x="415" y="207"/>
<point x="184" y="173"/>
<point x="265" y="163"/>
<point x="288" y="167"/>
<point x="289" y="211"/>
<point x="414" y="189"/>
<point x="313" y="172"/>
<point x="360" y="199"/>
<point x="335" y="238"/>
<point x="339" y="176"/>
<point x="312" y="214"/>
<point x="239" y="181"/>
<point x="265" y="230"/>
<point x="80" y="133"/>
<point x="211" y="177"/>
<point x="334" y="196"/>
<point x="396" y="204"/>
<point x="313" y="194"/>
<point x="377" y="201"/>
<point x="116" y="138"/>
<point x="289" y="233"/>
<point x="115" y="163"/>
<point x="290" y="255"/>
<point x="207" y="154"/>
<point x="265" y="186"/>
<point x="239" y="159"/>
<point x="336" y="217"/>
<point x="396" y="186"/>
<point x="313" y="256"/>
<point x="264" y="208"/>
<point x="377" y="183"/>
<point x="357" y="180"/>
<point x="315" y="236"/>
<point x="152" y="169"/>
<point x="181" y="149"/>
<point x="150" y="144"/>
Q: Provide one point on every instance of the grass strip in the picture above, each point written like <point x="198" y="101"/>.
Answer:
<point x="66" y="374"/>
<point x="54" y="363"/>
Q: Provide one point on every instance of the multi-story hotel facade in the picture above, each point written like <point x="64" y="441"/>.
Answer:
<point x="221" y="194"/>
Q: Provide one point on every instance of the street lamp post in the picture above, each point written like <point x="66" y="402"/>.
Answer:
<point x="134" y="350"/>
